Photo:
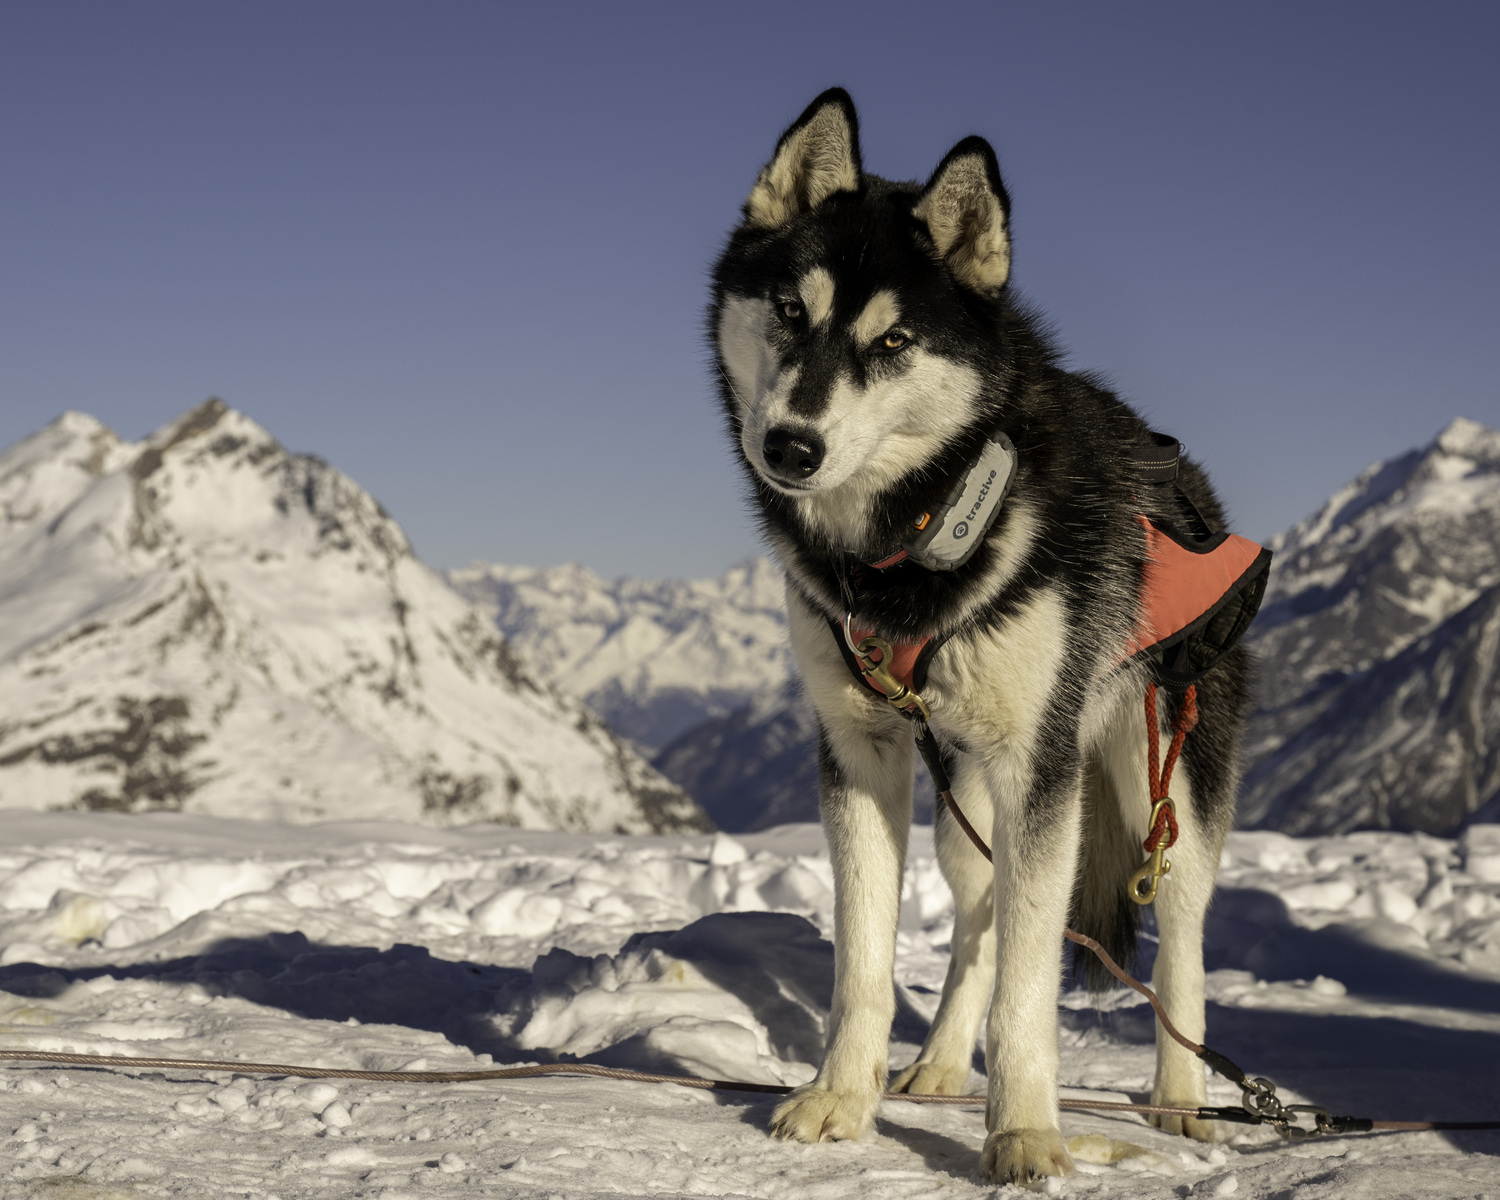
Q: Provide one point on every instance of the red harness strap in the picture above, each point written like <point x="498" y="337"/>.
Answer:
<point x="1182" y="583"/>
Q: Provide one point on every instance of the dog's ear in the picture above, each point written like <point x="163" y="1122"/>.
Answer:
<point x="817" y="156"/>
<point x="966" y="209"/>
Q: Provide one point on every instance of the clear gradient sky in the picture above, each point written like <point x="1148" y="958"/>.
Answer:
<point x="460" y="250"/>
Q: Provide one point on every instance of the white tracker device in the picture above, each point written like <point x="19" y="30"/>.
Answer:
<point x="947" y="536"/>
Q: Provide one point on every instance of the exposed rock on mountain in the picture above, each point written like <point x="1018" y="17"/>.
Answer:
<point x="202" y="621"/>
<point x="1378" y="644"/>
<point x="753" y="768"/>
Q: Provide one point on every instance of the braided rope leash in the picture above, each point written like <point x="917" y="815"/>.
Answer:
<point x="1163" y="830"/>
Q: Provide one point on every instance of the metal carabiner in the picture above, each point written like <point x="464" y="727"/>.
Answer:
<point x="1324" y="1124"/>
<point x="1143" y="883"/>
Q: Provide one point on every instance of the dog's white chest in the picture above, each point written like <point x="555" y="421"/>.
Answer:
<point x="995" y="682"/>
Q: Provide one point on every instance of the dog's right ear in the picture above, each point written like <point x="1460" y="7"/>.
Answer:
<point x="816" y="157"/>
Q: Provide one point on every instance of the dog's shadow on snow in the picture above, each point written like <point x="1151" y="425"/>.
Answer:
<point x="1385" y="1067"/>
<point x="405" y="985"/>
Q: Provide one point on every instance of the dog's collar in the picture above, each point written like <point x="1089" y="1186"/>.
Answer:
<point x="946" y="536"/>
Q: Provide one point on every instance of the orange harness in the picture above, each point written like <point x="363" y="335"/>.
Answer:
<point x="1196" y="598"/>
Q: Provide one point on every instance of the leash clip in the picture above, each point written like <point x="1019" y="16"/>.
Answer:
<point x="1143" y="883"/>
<point x="878" y="670"/>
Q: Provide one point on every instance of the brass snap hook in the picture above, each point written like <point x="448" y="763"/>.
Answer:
<point x="1143" y="883"/>
<point x="878" y="670"/>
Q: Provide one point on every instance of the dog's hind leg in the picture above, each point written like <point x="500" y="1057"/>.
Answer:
<point x="1181" y="904"/>
<point x="865" y="786"/>
<point x="943" y="1066"/>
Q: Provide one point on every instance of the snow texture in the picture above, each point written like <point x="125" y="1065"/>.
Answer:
<point x="204" y="622"/>
<point x="1360" y="971"/>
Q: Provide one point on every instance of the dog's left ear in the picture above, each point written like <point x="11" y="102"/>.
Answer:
<point x="967" y="210"/>
<point x="816" y="157"/>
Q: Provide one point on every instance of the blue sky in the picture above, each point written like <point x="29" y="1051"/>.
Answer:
<point x="460" y="250"/>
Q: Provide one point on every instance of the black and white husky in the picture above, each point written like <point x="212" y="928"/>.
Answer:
<point x="869" y="346"/>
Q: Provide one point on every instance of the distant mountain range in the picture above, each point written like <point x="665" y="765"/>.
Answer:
<point x="202" y="621"/>
<point x="1377" y="702"/>
<point x="653" y="658"/>
<point x="697" y="672"/>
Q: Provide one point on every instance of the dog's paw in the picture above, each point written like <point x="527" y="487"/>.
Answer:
<point x="819" y="1114"/>
<point x="1194" y="1127"/>
<point x="932" y="1079"/>
<point x="1024" y="1156"/>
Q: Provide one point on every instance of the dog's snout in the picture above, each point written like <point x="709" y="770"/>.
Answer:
<point x="793" y="453"/>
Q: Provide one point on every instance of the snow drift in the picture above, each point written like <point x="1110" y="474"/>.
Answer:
<point x="1361" y="972"/>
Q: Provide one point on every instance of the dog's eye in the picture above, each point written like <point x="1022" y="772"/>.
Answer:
<point x="893" y="340"/>
<point x="790" y="310"/>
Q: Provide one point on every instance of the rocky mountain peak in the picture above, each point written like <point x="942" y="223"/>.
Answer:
<point x="204" y="621"/>
<point x="1389" y="591"/>
<point x="1470" y="439"/>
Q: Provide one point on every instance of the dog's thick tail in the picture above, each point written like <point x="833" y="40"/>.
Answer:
<point x="1101" y="908"/>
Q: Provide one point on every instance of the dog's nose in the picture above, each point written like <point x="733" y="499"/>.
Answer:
<point x="793" y="453"/>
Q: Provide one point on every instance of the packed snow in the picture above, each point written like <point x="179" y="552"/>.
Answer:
<point x="1362" y="972"/>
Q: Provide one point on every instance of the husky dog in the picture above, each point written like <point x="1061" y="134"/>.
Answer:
<point x="869" y="345"/>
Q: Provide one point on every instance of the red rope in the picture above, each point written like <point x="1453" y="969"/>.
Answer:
<point x="1165" y="827"/>
<point x="1159" y="777"/>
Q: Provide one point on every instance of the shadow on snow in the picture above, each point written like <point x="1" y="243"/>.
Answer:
<point x="1383" y="1067"/>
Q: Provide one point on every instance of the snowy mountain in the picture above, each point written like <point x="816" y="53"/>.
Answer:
<point x="752" y="768"/>
<point x="202" y="621"/>
<point x="655" y="658"/>
<point x="1378" y="644"/>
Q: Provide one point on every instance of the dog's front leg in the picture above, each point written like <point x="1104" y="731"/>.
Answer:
<point x="1035" y="851"/>
<point x="944" y="1064"/>
<point x="865" y="791"/>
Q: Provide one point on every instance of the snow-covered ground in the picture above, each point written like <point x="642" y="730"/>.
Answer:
<point x="1361" y="971"/>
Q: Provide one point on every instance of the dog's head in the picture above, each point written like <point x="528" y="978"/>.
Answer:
<point x="855" y="319"/>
